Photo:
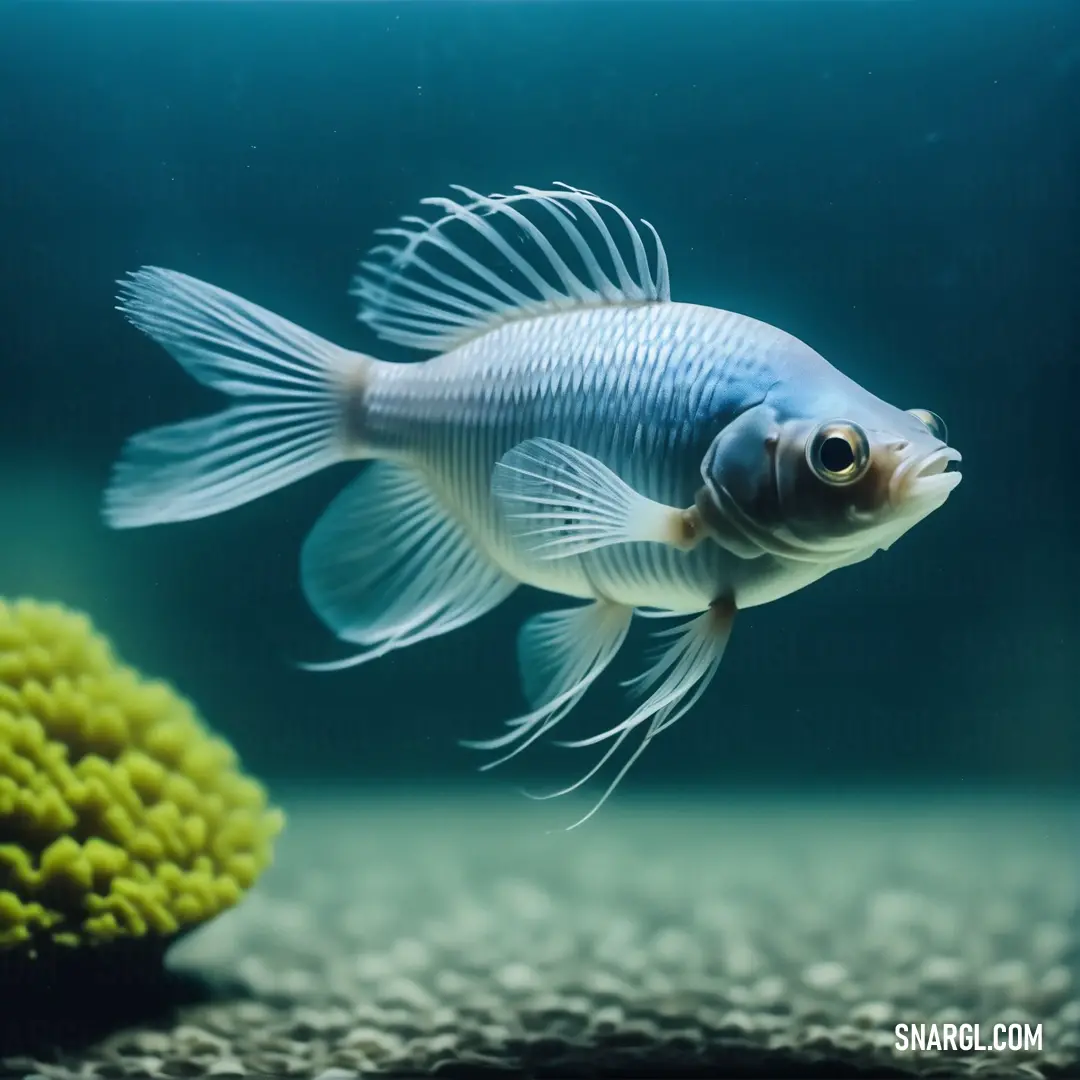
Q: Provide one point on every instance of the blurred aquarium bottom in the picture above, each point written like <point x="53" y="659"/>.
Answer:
<point x="674" y="935"/>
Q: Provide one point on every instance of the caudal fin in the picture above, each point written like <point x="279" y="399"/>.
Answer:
<point x="295" y="386"/>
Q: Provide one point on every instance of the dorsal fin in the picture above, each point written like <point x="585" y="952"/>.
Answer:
<point x="490" y="259"/>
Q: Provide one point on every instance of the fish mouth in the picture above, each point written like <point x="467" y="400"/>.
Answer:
<point x="928" y="479"/>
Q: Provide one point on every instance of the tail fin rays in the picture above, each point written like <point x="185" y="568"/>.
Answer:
<point x="291" y="429"/>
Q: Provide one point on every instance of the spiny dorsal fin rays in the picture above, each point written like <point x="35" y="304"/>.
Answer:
<point x="408" y="299"/>
<point x="627" y="284"/>
<point x="602" y="286"/>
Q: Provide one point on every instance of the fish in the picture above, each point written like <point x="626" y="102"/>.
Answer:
<point x="571" y="428"/>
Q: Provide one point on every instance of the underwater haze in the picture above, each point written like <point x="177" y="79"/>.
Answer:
<point x="893" y="184"/>
<point x="869" y="818"/>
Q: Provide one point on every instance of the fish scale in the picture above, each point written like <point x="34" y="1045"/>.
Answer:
<point x="507" y="376"/>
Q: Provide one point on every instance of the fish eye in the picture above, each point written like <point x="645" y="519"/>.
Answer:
<point x="935" y="425"/>
<point x="838" y="452"/>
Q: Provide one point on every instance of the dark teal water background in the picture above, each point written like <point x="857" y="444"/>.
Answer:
<point x="894" y="183"/>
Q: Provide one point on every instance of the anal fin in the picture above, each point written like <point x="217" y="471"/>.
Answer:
<point x="387" y="566"/>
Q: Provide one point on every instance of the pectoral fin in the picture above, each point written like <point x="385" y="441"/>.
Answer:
<point x="558" y="501"/>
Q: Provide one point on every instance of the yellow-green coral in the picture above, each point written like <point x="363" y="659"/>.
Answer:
<point x="121" y="816"/>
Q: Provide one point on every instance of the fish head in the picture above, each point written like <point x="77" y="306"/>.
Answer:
<point x="824" y="477"/>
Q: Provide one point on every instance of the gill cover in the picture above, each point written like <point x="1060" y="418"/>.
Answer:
<point x="740" y="496"/>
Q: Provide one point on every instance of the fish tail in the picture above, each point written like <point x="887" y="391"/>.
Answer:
<point x="299" y="404"/>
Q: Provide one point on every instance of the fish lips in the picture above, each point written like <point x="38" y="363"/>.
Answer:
<point x="925" y="481"/>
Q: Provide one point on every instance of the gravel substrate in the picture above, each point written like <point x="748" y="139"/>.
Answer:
<point x="668" y="937"/>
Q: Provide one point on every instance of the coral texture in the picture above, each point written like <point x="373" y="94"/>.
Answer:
<point x="121" y="816"/>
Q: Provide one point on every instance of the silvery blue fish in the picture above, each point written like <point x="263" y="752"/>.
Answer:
<point x="576" y="431"/>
